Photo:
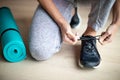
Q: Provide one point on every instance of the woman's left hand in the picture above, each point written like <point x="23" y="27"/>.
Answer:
<point x="108" y="35"/>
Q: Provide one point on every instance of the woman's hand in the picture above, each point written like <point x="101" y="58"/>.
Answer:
<point x="108" y="35"/>
<point x="67" y="35"/>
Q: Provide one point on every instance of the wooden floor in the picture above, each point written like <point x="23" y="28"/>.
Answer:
<point x="63" y="65"/>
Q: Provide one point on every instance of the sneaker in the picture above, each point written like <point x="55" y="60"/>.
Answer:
<point x="89" y="56"/>
<point x="75" y="21"/>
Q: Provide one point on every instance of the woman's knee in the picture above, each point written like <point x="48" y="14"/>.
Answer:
<point x="41" y="53"/>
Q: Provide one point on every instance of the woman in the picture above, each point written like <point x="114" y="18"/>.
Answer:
<point x="50" y="27"/>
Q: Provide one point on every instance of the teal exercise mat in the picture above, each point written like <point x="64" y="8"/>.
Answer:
<point x="13" y="47"/>
<point x="6" y="20"/>
<point x="12" y="44"/>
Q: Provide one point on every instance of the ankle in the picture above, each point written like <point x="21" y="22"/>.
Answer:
<point x="90" y="31"/>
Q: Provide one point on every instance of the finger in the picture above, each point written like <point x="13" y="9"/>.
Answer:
<point x="107" y="40"/>
<point x="77" y="36"/>
<point x="72" y="37"/>
<point x="69" y="41"/>
<point x="103" y="36"/>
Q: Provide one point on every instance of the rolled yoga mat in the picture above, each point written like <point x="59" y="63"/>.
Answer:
<point x="12" y="44"/>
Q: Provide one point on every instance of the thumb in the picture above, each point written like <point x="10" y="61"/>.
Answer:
<point x="104" y="35"/>
<point x="76" y="34"/>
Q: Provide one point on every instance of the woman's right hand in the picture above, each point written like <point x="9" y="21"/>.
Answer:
<point x="67" y="35"/>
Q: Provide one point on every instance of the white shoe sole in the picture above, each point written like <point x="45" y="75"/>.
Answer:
<point x="82" y="66"/>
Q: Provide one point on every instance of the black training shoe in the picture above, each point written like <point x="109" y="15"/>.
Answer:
<point x="89" y="56"/>
<point x="75" y="21"/>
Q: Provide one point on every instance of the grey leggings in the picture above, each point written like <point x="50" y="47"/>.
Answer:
<point x="45" y="36"/>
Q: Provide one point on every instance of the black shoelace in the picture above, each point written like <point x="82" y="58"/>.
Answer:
<point x="88" y="38"/>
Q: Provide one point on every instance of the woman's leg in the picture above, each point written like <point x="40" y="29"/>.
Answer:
<point x="98" y="16"/>
<point x="45" y="36"/>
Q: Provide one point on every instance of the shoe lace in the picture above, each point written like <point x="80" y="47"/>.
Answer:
<point x="89" y="38"/>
